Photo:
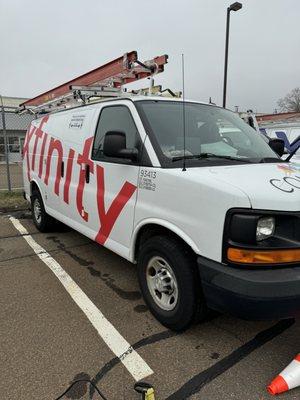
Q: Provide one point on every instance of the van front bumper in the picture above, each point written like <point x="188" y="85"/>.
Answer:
<point x="254" y="294"/>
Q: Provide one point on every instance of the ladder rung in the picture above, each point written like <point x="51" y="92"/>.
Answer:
<point x="116" y="73"/>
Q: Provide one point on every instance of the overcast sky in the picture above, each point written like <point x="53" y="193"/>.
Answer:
<point x="45" y="43"/>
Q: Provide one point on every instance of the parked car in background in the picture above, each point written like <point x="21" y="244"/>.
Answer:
<point x="289" y="132"/>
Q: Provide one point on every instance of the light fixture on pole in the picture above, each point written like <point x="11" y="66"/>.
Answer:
<point x="233" y="7"/>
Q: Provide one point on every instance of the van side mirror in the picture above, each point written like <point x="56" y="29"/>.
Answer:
<point x="277" y="145"/>
<point x="114" y="145"/>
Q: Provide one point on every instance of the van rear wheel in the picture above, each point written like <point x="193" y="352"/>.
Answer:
<point x="41" y="219"/>
<point x="169" y="283"/>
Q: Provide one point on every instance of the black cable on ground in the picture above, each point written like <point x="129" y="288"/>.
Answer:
<point x="85" y="381"/>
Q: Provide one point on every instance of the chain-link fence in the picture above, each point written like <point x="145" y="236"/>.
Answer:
<point x="13" y="128"/>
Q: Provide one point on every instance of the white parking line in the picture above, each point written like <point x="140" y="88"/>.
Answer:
<point x="138" y="368"/>
<point x="17" y="188"/>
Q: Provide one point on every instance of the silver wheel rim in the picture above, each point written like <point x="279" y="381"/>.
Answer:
<point x="162" y="283"/>
<point x="37" y="210"/>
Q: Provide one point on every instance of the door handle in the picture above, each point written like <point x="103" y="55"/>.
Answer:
<point x="87" y="173"/>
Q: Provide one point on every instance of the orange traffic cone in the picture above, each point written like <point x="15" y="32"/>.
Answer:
<point x="289" y="378"/>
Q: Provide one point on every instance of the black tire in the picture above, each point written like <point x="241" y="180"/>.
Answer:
<point x="44" y="223"/>
<point x="190" y="304"/>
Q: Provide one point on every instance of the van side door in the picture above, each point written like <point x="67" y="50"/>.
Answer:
<point x="116" y="180"/>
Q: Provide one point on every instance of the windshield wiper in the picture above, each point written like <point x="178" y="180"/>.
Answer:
<point x="209" y="155"/>
<point x="271" y="160"/>
<point x="189" y="157"/>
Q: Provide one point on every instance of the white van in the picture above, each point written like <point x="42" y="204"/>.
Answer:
<point x="217" y="229"/>
<point x="289" y="132"/>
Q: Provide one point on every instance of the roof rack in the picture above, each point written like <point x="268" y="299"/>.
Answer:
<point x="104" y="81"/>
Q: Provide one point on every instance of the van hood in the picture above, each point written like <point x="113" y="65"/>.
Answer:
<point x="269" y="186"/>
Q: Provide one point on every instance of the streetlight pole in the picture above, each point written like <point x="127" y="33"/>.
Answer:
<point x="233" y="7"/>
<point x="5" y="145"/>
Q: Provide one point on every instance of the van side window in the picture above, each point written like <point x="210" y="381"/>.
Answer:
<point x="114" y="118"/>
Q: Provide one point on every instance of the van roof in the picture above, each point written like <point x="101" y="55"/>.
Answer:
<point x="156" y="98"/>
<point x="136" y="97"/>
<point x="133" y="98"/>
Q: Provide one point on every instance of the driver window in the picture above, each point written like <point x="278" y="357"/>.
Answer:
<point x="114" y="118"/>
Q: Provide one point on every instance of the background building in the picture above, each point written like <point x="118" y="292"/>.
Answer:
<point x="16" y="126"/>
<point x="285" y="117"/>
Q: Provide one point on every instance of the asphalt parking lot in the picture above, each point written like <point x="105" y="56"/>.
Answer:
<point x="47" y="341"/>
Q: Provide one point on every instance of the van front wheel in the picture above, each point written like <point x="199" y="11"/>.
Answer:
<point x="41" y="219"/>
<point x="169" y="283"/>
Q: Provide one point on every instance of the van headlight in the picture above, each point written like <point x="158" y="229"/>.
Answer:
<point x="260" y="238"/>
<point x="265" y="228"/>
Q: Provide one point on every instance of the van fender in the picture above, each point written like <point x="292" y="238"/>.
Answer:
<point x="39" y="188"/>
<point x="166" y="224"/>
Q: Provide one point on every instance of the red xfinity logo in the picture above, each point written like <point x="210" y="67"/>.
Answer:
<point x="107" y="218"/>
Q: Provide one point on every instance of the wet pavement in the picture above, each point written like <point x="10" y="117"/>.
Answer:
<point x="47" y="341"/>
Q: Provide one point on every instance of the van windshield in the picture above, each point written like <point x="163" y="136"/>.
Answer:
<point x="211" y="132"/>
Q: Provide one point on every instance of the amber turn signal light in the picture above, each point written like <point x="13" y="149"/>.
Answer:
<point x="263" y="256"/>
